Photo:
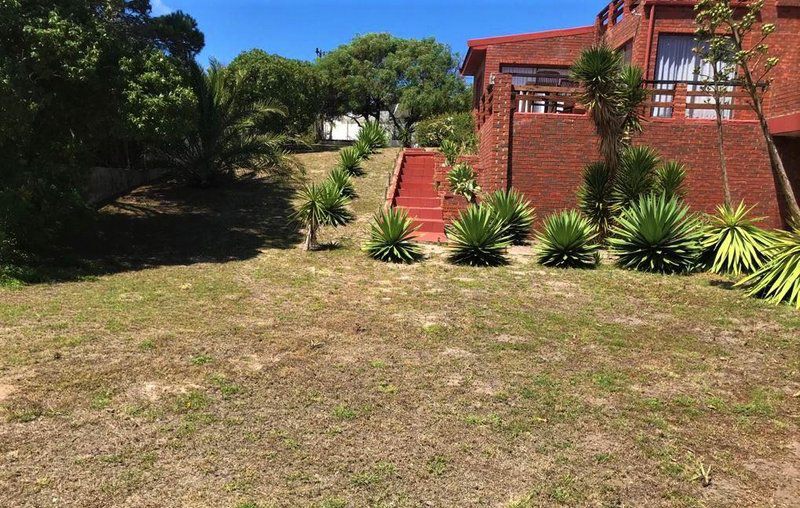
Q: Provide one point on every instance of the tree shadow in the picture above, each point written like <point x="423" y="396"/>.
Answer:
<point x="166" y="224"/>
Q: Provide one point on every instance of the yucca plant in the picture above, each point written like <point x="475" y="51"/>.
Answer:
<point x="342" y="180"/>
<point x="321" y="205"/>
<point x="392" y="237"/>
<point x="595" y="197"/>
<point x="656" y="234"/>
<point x="362" y="149"/>
<point x="568" y="240"/>
<point x="374" y="135"/>
<point x="732" y="243"/>
<point x="463" y="181"/>
<point x="636" y="176"/>
<point x="779" y="279"/>
<point x="477" y="239"/>
<point x="512" y="210"/>
<point x="451" y="151"/>
<point x="669" y="179"/>
<point x="350" y="161"/>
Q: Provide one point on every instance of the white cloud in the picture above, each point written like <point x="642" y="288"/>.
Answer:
<point x="160" y="8"/>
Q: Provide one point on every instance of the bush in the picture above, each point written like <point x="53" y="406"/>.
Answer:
<point x="392" y="237"/>
<point x="656" y="234"/>
<point x="350" y="161"/>
<point x="514" y="212"/>
<point x="462" y="179"/>
<point x="595" y="196"/>
<point x="321" y="205"/>
<point x="477" y="239"/>
<point x="458" y="128"/>
<point x="341" y="180"/>
<point x="732" y="243"/>
<point x="568" y="241"/>
<point x="779" y="279"/>
<point x="451" y="151"/>
<point x="362" y="149"/>
<point x="670" y="179"/>
<point x="373" y="135"/>
<point x="636" y="175"/>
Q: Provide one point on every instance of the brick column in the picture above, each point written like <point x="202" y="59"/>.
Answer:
<point x="495" y="161"/>
<point x="679" y="101"/>
<point x="612" y="9"/>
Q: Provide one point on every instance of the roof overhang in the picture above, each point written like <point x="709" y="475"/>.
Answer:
<point x="787" y="125"/>
<point x="477" y="47"/>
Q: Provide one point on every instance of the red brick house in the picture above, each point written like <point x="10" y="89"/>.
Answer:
<point x="532" y="137"/>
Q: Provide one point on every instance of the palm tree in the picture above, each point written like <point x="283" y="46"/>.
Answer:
<point x="612" y="92"/>
<point x="224" y="139"/>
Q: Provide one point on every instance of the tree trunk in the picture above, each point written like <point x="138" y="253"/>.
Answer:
<point x="311" y="237"/>
<point x="726" y="187"/>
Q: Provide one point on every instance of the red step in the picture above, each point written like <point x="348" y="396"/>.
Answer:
<point x="429" y="225"/>
<point x="416" y="179"/>
<point x="417" y="189"/>
<point x="423" y="213"/>
<point x="415" y="202"/>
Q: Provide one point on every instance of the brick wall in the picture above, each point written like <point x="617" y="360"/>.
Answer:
<point x="548" y="169"/>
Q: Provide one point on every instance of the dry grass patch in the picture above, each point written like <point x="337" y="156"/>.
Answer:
<point x="208" y="362"/>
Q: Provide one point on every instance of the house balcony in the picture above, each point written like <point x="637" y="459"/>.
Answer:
<point x="691" y="100"/>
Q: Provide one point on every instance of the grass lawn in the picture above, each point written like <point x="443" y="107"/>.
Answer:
<point x="206" y="361"/>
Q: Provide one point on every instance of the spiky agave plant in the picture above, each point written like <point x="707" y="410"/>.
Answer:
<point x="463" y="181"/>
<point x="362" y="149"/>
<point x="595" y="197"/>
<point x="321" y="205"/>
<point x="342" y="180"/>
<point x="656" y="234"/>
<point x="512" y="210"/>
<point x="732" y="243"/>
<point x="779" y="279"/>
<point x="568" y="240"/>
<point x="374" y="135"/>
<point x="350" y="161"/>
<point x="451" y="151"/>
<point x="636" y="176"/>
<point x="477" y="239"/>
<point x="670" y="178"/>
<point x="392" y="237"/>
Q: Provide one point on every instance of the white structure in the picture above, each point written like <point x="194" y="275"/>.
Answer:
<point x="345" y="128"/>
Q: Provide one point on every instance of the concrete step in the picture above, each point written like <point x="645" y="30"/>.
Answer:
<point x="423" y="213"/>
<point x="417" y="189"/>
<point x="429" y="225"/>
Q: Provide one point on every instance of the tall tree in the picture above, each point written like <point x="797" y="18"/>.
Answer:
<point x="726" y="23"/>
<point x="410" y="79"/>
<point x="293" y="84"/>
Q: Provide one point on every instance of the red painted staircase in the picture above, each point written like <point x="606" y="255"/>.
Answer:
<point x="415" y="192"/>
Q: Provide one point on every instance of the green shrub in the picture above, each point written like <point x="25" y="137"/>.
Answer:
<point x="374" y="135"/>
<point x="456" y="127"/>
<point x="656" y="234"/>
<point x="779" y="279"/>
<point x="595" y="196"/>
<point x="514" y="212"/>
<point x="568" y="240"/>
<point x="392" y="237"/>
<point x="451" y="151"/>
<point x="669" y="180"/>
<point x="477" y="239"/>
<point x="732" y="243"/>
<point x="463" y="181"/>
<point x="362" y="149"/>
<point x="342" y="180"/>
<point x="350" y="161"/>
<point x="321" y="205"/>
<point x="636" y="175"/>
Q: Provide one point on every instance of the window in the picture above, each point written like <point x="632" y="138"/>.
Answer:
<point x="627" y="52"/>
<point x="677" y="61"/>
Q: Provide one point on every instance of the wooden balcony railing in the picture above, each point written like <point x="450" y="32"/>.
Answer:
<point x="665" y="99"/>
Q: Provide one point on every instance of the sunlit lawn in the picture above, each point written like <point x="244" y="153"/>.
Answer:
<point x="206" y="361"/>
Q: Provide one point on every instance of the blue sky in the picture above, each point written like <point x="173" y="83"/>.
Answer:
<point x="294" y="28"/>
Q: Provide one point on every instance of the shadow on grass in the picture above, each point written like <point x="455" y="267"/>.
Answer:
<point x="168" y="224"/>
